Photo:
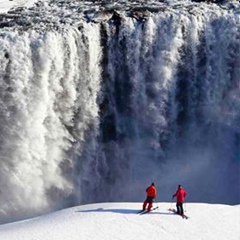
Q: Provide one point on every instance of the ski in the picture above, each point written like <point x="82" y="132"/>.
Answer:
<point x="184" y="216"/>
<point x="174" y="211"/>
<point x="146" y="211"/>
<point x="141" y="211"/>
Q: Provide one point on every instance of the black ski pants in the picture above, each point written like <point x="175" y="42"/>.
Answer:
<point x="180" y="208"/>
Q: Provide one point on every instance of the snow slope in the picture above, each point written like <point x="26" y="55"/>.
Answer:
<point x="116" y="221"/>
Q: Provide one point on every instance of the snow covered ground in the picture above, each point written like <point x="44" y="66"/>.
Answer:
<point x="108" y="221"/>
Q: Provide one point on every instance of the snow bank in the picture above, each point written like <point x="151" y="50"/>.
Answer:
<point x="108" y="221"/>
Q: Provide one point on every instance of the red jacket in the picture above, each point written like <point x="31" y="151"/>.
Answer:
<point x="180" y="194"/>
<point x="151" y="191"/>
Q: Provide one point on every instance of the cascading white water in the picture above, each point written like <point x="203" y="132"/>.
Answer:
<point x="97" y="112"/>
<point x="49" y="85"/>
<point x="173" y="88"/>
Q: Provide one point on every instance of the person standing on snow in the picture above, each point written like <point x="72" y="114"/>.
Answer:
<point x="180" y="195"/>
<point x="151" y="194"/>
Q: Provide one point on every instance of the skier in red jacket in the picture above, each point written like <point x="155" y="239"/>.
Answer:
<point x="151" y="194"/>
<point x="180" y="194"/>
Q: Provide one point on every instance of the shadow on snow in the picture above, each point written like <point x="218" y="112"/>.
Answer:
<point x="124" y="211"/>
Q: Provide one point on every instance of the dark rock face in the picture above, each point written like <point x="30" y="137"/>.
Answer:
<point x="59" y="14"/>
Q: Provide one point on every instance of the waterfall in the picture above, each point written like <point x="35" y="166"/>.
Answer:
<point x="98" y="111"/>
<point x="49" y="86"/>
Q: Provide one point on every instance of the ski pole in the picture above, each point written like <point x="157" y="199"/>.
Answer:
<point x="171" y="204"/>
<point x="156" y="203"/>
<point x="185" y="207"/>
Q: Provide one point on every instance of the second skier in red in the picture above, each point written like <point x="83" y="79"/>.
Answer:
<point x="180" y="195"/>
